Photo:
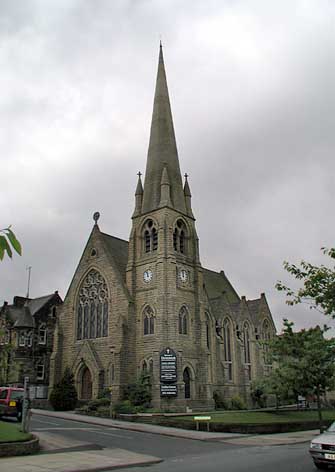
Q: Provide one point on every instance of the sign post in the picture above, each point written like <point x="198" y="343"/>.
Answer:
<point x="25" y="406"/>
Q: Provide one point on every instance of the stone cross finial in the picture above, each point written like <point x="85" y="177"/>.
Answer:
<point x="186" y="175"/>
<point x="139" y="174"/>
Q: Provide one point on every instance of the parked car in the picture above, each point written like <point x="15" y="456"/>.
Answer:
<point x="322" y="448"/>
<point x="11" y="400"/>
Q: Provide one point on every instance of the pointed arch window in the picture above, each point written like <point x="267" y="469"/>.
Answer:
<point x="266" y="337"/>
<point x="148" y="321"/>
<point x="179" y="237"/>
<point x="150" y="236"/>
<point x="208" y="331"/>
<point x="183" y="321"/>
<point x="246" y="344"/>
<point x="92" y="308"/>
<point x="227" y="340"/>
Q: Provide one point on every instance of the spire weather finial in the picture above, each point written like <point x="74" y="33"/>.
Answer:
<point x="96" y="216"/>
<point x="186" y="175"/>
<point x="139" y="173"/>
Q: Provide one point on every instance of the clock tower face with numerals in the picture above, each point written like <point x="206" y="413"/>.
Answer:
<point x="147" y="276"/>
<point x="183" y="275"/>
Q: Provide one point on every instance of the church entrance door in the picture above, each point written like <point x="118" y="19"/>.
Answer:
<point x="187" y="380"/>
<point x="86" y="385"/>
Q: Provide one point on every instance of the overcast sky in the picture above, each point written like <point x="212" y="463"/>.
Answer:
<point x="252" y="92"/>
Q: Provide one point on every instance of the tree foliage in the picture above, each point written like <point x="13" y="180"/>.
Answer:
<point x="139" y="393"/>
<point x="305" y="362"/>
<point x="318" y="289"/>
<point x="64" y="395"/>
<point x="8" y="241"/>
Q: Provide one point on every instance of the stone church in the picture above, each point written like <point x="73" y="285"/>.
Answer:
<point x="149" y="305"/>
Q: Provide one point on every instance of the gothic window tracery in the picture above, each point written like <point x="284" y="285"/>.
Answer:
<point x="150" y="236"/>
<point x="266" y="337"/>
<point x="148" y="321"/>
<point x="92" y="311"/>
<point x="183" y="320"/>
<point x="179" y="237"/>
<point x="246" y="344"/>
<point x="227" y="340"/>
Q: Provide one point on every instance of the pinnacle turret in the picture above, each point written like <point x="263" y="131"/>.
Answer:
<point x="138" y="196"/>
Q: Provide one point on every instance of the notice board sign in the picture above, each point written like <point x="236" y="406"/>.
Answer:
<point x="168" y="390"/>
<point x="168" y="366"/>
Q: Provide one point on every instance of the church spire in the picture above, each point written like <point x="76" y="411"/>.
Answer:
<point x="162" y="150"/>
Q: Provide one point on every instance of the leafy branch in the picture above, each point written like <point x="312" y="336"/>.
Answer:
<point x="318" y="289"/>
<point x="8" y="241"/>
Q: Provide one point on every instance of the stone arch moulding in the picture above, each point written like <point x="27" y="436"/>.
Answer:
<point x="107" y="299"/>
<point x="86" y="356"/>
<point x="82" y="278"/>
<point x="187" y="366"/>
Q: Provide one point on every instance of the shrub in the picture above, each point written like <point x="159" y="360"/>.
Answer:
<point x="220" y="402"/>
<point x="124" y="407"/>
<point x="94" y="405"/>
<point x="105" y="393"/>
<point x="237" y="403"/>
<point x="64" y="395"/>
<point x="259" y="393"/>
<point x="139" y="393"/>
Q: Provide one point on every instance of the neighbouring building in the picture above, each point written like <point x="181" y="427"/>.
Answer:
<point x="28" y="327"/>
<point x="148" y="304"/>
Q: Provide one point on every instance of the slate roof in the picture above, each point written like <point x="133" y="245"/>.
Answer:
<point x="23" y="316"/>
<point x="217" y="284"/>
<point x="118" y="248"/>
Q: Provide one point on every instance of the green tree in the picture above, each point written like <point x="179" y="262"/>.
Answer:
<point x="64" y="395"/>
<point x="305" y="362"/>
<point x="258" y="392"/>
<point x="139" y="393"/>
<point x="318" y="289"/>
<point x="7" y="242"/>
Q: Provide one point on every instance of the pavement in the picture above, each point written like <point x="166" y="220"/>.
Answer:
<point x="58" y="454"/>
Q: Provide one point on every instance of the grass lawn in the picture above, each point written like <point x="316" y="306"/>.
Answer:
<point x="10" y="432"/>
<point x="262" y="417"/>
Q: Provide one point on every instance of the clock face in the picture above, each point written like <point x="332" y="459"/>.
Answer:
<point x="147" y="276"/>
<point x="183" y="275"/>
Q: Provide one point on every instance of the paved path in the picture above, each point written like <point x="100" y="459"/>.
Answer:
<point x="80" y="461"/>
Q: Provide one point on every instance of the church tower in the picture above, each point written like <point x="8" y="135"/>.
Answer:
<point x="164" y="275"/>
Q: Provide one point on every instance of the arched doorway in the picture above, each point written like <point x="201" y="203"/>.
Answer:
<point x="86" y="384"/>
<point x="187" y="381"/>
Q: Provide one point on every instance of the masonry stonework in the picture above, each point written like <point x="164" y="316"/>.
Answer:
<point x="159" y="296"/>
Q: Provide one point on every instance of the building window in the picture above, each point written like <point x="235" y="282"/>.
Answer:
<point x="148" y="321"/>
<point x="208" y="332"/>
<point x="226" y="335"/>
<point x="22" y="339"/>
<point x="30" y="339"/>
<point x="246" y="344"/>
<point x="179" y="237"/>
<point x="266" y="337"/>
<point x="92" y="311"/>
<point x="42" y="334"/>
<point x="150" y="236"/>
<point x="183" y="321"/>
<point x="40" y="372"/>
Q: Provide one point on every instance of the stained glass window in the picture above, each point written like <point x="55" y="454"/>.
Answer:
<point x="92" y="311"/>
